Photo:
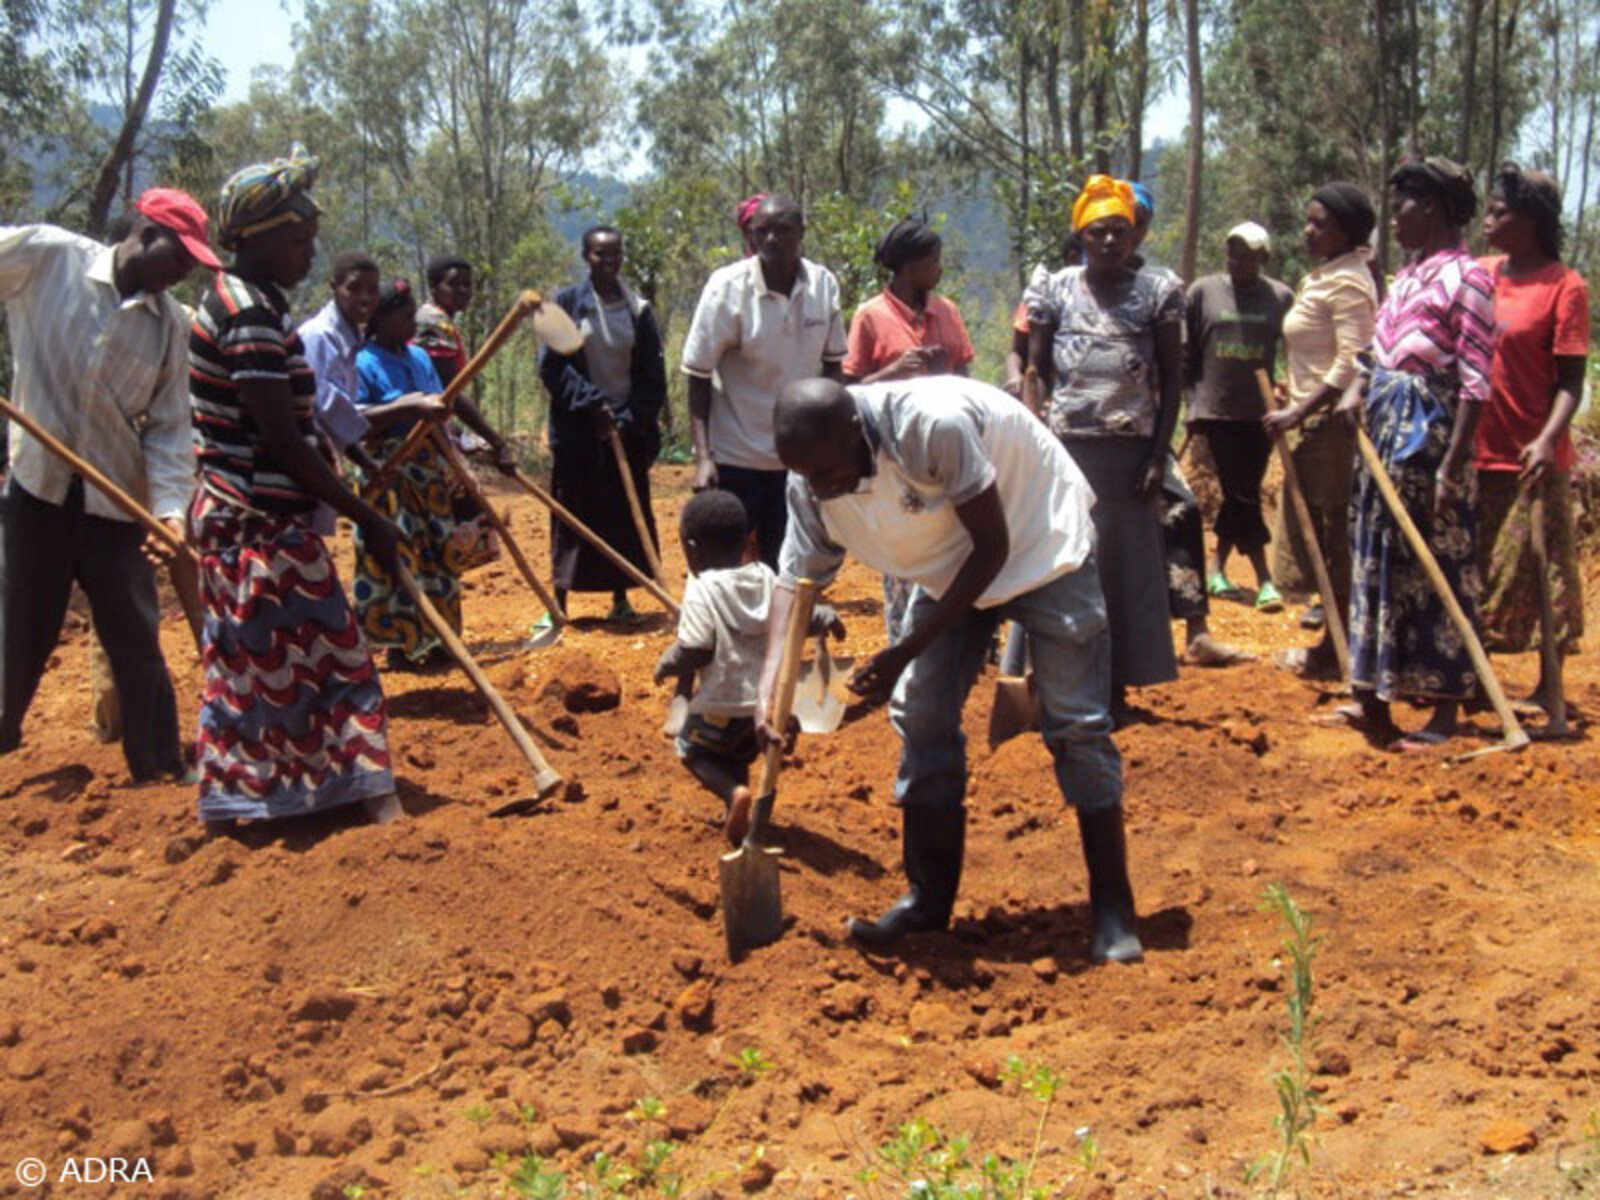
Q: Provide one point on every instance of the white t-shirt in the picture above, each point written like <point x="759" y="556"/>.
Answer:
<point x="751" y="342"/>
<point x="937" y="443"/>
<point x="725" y="611"/>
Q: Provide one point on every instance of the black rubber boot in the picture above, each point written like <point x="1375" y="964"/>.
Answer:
<point x="1105" y="850"/>
<point x="934" y="840"/>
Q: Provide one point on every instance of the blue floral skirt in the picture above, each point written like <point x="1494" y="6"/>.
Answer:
<point x="1402" y="642"/>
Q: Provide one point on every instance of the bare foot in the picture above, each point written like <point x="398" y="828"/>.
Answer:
<point x="383" y="809"/>
<point x="1205" y="651"/>
<point x="737" y="824"/>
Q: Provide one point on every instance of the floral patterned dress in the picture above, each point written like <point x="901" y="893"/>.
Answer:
<point x="1432" y="347"/>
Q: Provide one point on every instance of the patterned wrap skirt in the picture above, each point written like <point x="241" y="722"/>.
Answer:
<point x="1510" y="575"/>
<point x="291" y="718"/>
<point x="1402" y="642"/>
<point x="419" y="502"/>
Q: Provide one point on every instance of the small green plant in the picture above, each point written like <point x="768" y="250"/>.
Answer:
<point x="532" y="1182"/>
<point x="353" y="1191"/>
<point x="752" y="1063"/>
<point x="646" y="1109"/>
<point x="1582" y="1178"/>
<point x="479" y="1114"/>
<point x="1041" y="1083"/>
<point x="1297" y="1104"/>
<point x="929" y="1164"/>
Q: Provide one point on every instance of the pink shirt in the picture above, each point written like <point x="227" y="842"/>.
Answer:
<point x="884" y="328"/>
<point x="1438" y="319"/>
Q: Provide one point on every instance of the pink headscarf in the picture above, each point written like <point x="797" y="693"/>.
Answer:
<point x="747" y="209"/>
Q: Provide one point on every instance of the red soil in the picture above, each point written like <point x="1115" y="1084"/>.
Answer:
<point x="323" y="1002"/>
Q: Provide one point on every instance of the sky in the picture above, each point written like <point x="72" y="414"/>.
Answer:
<point x="245" y="34"/>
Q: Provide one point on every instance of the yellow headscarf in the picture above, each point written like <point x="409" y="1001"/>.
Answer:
<point x="1102" y="196"/>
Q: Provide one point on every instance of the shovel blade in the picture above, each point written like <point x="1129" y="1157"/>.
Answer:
<point x="546" y="637"/>
<point x="818" y="706"/>
<point x="1016" y="709"/>
<point x="752" y="907"/>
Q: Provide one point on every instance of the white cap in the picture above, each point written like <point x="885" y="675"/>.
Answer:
<point x="1251" y="235"/>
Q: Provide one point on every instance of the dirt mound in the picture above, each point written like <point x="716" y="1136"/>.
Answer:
<point x="324" y="1008"/>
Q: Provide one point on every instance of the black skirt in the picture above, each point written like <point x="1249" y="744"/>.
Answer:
<point x="584" y="478"/>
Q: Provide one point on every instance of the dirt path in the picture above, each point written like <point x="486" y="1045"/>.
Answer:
<point x="316" y="1005"/>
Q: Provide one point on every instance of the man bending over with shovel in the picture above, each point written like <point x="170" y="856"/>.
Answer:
<point x="949" y="483"/>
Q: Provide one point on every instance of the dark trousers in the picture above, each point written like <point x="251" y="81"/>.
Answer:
<point x="764" y="495"/>
<point x="43" y="549"/>
<point x="1239" y="450"/>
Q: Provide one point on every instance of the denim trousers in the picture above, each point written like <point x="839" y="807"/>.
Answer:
<point x="1069" y="639"/>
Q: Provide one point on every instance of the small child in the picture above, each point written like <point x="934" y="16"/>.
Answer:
<point x="722" y="636"/>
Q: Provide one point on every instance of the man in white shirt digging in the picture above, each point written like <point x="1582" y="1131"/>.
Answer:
<point x="953" y="485"/>
<point x="101" y="357"/>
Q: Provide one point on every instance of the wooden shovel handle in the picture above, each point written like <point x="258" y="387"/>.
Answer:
<point x="1515" y="735"/>
<point x="463" y="473"/>
<point x="794" y="648"/>
<point x="620" y="453"/>
<point x="595" y="540"/>
<point x="545" y="777"/>
<point x="1308" y="534"/>
<point x="120" y="499"/>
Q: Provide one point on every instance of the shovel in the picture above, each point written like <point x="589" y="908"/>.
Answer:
<point x="1016" y="703"/>
<point x="752" y="908"/>
<point x="818" y="706"/>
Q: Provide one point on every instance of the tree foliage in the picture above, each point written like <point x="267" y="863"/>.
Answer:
<point x="462" y="125"/>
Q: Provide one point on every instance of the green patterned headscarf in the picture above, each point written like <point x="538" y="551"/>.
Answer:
<point x="266" y="195"/>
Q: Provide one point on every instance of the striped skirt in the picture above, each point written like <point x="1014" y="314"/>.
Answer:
<point x="292" y="718"/>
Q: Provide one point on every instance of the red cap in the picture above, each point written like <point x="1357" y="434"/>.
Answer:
<point x="181" y="213"/>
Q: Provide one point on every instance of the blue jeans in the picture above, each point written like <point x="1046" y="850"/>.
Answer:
<point x="1070" y="642"/>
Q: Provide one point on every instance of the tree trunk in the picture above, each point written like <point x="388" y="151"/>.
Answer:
<point x="1469" y="83"/>
<point x="1578" y="248"/>
<point x="1075" y="81"/>
<point x="1414" y="70"/>
<point x="121" y="154"/>
<point x="1386" y="129"/>
<point x="1025" y="184"/>
<point x="1100" y="89"/>
<point x="1139" y="91"/>
<point x="1052" y="89"/>
<point x="1492" y="163"/>
<point x="1555" y="92"/>
<point x="1197" y="141"/>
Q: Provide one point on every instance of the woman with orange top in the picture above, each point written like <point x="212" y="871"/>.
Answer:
<point x="1524" y="443"/>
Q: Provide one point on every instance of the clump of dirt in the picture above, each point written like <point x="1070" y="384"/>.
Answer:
<point x="321" y="1005"/>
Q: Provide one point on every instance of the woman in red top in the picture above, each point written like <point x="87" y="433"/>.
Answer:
<point x="1524" y="447"/>
<point x="905" y="331"/>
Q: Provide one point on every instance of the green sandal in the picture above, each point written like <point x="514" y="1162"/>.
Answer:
<point x="625" y="614"/>
<point x="1220" y="587"/>
<point x="1268" y="598"/>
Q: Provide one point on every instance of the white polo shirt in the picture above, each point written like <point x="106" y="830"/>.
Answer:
<point x="938" y="442"/>
<point x="751" y="341"/>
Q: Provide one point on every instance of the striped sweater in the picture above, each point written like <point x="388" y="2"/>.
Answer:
<point x="1438" y="319"/>
<point x="242" y="331"/>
